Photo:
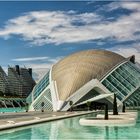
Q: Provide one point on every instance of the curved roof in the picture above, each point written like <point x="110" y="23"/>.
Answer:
<point x="74" y="71"/>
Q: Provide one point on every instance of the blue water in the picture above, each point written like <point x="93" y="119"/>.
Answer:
<point x="70" y="129"/>
<point x="16" y="109"/>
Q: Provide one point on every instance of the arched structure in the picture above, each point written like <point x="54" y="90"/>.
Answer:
<point x="73" y="78"/>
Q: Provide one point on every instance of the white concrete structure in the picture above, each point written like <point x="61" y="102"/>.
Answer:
<point x="87" y="76"/>
<point x="123" y="119"/>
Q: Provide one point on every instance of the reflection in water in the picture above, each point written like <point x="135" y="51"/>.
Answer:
<point x="106" y="132"/>
<point x="71" y="129"/>
<point x="116" y="132"/>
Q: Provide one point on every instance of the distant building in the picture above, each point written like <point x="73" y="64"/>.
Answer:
<point x="18" y="82"/>
<point x="4" y="84"/>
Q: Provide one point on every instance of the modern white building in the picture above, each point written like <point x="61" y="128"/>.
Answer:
<point x="89" y="75"/>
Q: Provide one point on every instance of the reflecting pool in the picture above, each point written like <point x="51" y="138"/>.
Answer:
<point x="71" y="129"/>
<point x="16" y="109"/>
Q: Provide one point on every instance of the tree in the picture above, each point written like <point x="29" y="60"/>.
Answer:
<point x="27" y="107"/>
<point x="123" y="107"/>
<point x="42" y="106"/>
<point x="1" y="93"/>
<point x="71" y="103"/>
<point x="106" y="112"/>
<point x="132" y="59"/>
<point x="115" y="109"/>
<point x="88" y="105"/>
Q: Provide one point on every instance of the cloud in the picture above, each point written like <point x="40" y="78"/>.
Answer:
<point x="39" y="73"/>
<point x="42" y="27"/>
<point x="128" y="51"/>
<point x="57" y="27"/>
<point x="39" y="70"/>
<point x="131" y="5"/>
<point x="44" y="59"/>
<point x="29" y="59"/>
<point x="134" y="6"/>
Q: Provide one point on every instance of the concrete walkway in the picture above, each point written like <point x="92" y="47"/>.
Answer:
<point x="13" y="120"/>
<point x="122" y="119"/>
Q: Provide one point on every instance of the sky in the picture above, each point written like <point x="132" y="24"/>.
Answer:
<point x="38" y="34"/>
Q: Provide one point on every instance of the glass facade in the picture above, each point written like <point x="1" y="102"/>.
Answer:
<point x="46" y="99"/>
<point x="46" y="95"/>
<point x="134" y="100"/>
<point x="91" y="94"/>
<point x="29" y="99"/>
<point x="124" y="81"/>
<point x="43" y="83"/>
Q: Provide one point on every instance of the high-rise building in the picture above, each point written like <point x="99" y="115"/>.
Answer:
<point x="21" y="81"/>
<point x="18" y="82"/>
<point x="4" y="84"/>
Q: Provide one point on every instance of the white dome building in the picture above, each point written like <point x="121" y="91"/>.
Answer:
<point x="89" y="75"/>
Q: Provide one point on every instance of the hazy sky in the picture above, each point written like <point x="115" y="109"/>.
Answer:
<point x="38" y="34"/>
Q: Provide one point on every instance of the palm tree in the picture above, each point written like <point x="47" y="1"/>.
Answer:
<point x="106" y="112"/>
<point x="71" y="103"/>
<point x="27" y="107"/>
<point x="42" y="106"/>
<point x="115" y="109"/>
<point x="123" y="108"/>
